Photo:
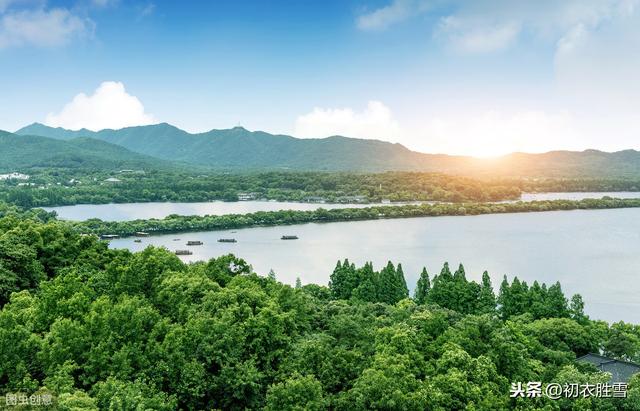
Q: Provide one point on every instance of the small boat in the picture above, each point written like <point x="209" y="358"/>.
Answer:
<point x="183" y="252"/>
<point x="176" y="239"/>
<point x="194" y="242"/>
<point x="142" y="234"/>
<point x="289" y="237"/>
<point x="227" y="240"/>
<point x="137" y="240"/>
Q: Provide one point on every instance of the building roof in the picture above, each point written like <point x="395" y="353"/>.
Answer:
<point x="620" y="370"/>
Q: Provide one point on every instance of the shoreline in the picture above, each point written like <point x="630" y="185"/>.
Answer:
<point x="180" y="224"/>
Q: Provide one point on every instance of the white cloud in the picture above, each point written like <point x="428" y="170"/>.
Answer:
<point x="397" y="11"/>
<point x="147" y="10"/>
<point x="480" y="39"/>
<point x="597" y="75"/>
<point x="110" y="106"/>
<point x="41" y="27"/>
<point x="481" y="133"/>
<point x="374" y="122"/>
<point x="489" y="25"/>
<point x="104" y="3"/>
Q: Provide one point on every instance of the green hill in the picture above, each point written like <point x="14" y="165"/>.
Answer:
<point x="241" y="149"/>
<point x="20" y="152"/>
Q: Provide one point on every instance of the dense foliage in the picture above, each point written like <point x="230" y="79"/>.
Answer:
<point x="114" y="330"/>
<point x="178" y="223"/>
<point x="62" y="187"/>
<point x="33" y="152"/>
<point x="66" y="186"/>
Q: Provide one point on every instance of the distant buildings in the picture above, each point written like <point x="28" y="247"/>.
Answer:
<point x="247" y="196"/>
<point x="13" y="176"/>
<point x="315" y="199"/>
<point x="621" y="371"/>
<point x="352" y="199"/>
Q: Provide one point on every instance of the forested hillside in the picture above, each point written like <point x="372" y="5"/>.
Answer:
<point x="21" y="152"/>
<point x="109" y="329"/>
<point x="241" y="149"/>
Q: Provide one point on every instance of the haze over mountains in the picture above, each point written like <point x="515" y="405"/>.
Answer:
<point x="238" y="149"/>
<point x="22" y="152"/>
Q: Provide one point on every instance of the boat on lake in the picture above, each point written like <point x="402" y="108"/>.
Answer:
<point x="227" y="240"/>
<point x="183" y="252"/>
<point x="289" y="237"/>
<point x="137" y="240"/>
<point x="194" y="242"/>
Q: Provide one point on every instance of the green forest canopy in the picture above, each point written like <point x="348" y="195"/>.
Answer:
<point x="110" y="329"/>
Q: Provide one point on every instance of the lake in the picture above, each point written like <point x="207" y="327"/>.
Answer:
<point x="591" y="252"/>
<point x="134" y="211"/>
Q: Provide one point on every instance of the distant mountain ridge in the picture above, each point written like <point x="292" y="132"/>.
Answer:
<point x="18" y="152"/>
<point x="241" y="149"/>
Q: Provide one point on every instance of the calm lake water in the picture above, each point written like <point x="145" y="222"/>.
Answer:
<point x="134" y="211"/>
<point x="591" y="252"/>
<point x="578" y="196"/>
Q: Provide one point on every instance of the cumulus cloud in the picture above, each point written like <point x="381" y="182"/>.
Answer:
<point x="395" y="12"/>
<point x="482" y="133"/>
<point x="40" y="27"/>
<point x="374" y="122"/>
<point x="110" y="106"/>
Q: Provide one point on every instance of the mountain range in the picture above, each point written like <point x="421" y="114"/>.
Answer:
<point x="18" y="152"/>
<point x="238" y="149"/>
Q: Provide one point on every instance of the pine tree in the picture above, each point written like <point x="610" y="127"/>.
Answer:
<point x="343" y="280"/>
<point x="537" y="301"/>
<point x="442" y="288"/>
<point x="460" y="275"/>
<point x="486" y="297"/>
<point x="504" y="299"/>
<point x="422" y="287"/>
<point x="402" y="291"/>
<point x="445" y="273"/>
<point x="556" y="301"/>
<point x="337" y="282"/>
<point x="368" y="284"/>
<point x="576" y="308"/>
<point x="272" y="275"/>
<point x="387" y="284"/>
<point x="464" y="295"/>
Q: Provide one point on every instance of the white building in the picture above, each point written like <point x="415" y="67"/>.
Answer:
<point x="13" y="176"/>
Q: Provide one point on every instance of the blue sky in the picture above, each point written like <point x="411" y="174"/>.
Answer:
<point x="479" y="77"/>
